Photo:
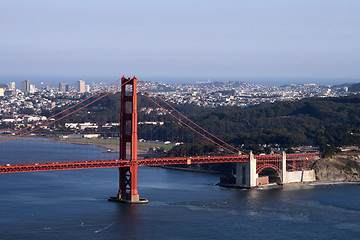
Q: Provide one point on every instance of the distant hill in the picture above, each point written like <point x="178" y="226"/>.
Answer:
<point x="333" y="122"/>
<point x="355" y="87"/>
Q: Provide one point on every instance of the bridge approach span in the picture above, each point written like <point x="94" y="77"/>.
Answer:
<point x="51" y="166"/>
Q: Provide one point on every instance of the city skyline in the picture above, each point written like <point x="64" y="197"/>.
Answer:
<point x="202" y="39"/>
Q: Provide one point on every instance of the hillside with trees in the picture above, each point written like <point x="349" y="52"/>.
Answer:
<point x="330" y="122"/>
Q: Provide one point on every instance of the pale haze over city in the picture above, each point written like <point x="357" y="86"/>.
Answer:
<point x="298" y="41"/>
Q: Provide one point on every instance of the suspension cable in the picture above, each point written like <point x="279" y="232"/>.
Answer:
<point x="67" y="114"/>
<point x="186" y="124"/>
<point x="190" y="119"/>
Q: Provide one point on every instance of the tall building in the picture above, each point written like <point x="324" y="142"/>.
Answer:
<point x="87" y="88"/>
<point x="12" y="86"/>
<point x="63" y="87"/>
<point x="80" y="86"/>
<point x="25" y="86"/>
<point x="32" y="88"/>
<point x="2" y="92"/>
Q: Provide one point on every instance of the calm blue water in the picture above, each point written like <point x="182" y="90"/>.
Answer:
<point x="183" y="205"/>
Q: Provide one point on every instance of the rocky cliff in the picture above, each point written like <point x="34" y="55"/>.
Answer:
<point x="341" y="167"/>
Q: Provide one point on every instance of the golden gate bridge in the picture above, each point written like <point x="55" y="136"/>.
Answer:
<point x="128" y="163"/>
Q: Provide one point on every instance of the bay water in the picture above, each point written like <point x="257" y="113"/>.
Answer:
<point x="73" y="204"/>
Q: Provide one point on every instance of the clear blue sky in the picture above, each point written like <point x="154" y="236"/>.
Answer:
<point x="197" y="38"/>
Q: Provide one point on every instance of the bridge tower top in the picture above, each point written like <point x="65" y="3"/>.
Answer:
<point x="128" y="118"/>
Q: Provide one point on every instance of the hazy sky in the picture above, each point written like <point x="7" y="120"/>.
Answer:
<point x="197" y="38"/>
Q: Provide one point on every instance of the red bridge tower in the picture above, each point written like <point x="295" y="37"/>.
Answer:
<point x="128" y="138"/>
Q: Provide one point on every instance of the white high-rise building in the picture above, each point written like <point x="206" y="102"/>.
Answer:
<point x="2" y="91"/>
<point x="87" y="88"/>
<point x="80" y="86"/>
<point x="32" y="88"/>
<point x="12" y="86"/>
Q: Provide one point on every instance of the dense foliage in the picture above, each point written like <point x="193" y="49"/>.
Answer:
<point x="332" y="122"/>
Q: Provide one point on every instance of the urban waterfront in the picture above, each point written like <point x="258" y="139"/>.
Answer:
<point x="183" y="205"/>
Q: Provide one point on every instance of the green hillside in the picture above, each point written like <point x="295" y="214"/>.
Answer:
<point x="331" y="122"/>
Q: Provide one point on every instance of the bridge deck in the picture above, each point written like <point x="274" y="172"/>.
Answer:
<point x="51" y="166"/>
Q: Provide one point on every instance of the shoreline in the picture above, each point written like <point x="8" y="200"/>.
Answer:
<point x="326" y="183"/>
<point x="114" y="148"/>
<point x="299" y="184"/>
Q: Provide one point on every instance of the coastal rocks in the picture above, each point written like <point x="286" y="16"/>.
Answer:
<point x="344" y="167"/>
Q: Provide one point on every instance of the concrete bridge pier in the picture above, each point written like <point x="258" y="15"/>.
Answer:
<point x="248" y="177"/>
<point x="246" y="173"/>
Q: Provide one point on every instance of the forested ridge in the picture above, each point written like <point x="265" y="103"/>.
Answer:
<point x="332" y="122"/>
